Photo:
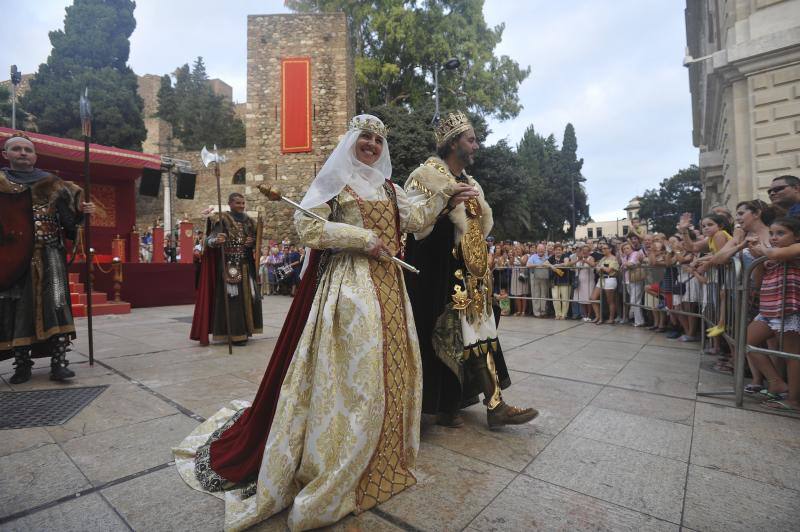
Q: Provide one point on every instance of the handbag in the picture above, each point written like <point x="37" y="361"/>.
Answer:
<point x="637" y="274"/>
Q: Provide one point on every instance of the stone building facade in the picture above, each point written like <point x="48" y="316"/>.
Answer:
<point x="744" y="78"/>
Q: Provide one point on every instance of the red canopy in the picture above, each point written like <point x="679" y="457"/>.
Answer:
<point x="64" y="157"/>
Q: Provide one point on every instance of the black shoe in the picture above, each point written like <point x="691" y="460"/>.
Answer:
<point x="59" y="373"/>
<point x="21" y="374"/>
<point x="449" y="419"/>
<point x="240" y="342"/>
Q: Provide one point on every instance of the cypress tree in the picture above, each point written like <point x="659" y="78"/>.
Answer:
<point x="91" y="51"/>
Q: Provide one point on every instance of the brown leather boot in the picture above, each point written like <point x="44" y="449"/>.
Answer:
<point x="449" y="419"/>
<point x="505" y="414"/>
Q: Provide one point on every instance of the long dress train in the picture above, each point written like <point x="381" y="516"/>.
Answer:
<point x="345" y="434"/>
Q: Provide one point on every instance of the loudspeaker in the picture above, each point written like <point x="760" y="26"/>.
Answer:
<point x="150" y="183"/>
<point x="185" y="188"/>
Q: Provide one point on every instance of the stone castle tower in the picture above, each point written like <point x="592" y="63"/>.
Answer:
<point x="319" y="43"/>
<point x="279" y="47"/>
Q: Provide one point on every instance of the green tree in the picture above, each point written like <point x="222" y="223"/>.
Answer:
<point x="5" y="109"/>
<point x="398" y="44"/>
<point x="410" y="138"/>
<point x="91" y="51"/>
<point x="198" y="116"/>
<point x="663" y="206"/>
<point x="506" y="186"/>
<point x="570" y="179"/>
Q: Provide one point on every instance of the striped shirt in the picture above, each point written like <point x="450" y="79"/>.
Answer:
<point x="771" y="302"/>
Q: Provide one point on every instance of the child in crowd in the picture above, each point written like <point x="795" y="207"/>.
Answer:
<point x="779" y="311"/>
<point x="503" y="302"/>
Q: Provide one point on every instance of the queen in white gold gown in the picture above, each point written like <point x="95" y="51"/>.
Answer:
<point x="346" y="431"/>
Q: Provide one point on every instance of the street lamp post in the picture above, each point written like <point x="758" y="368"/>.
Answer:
<point x="16" y="79"/>
<point x="451" y="64"/>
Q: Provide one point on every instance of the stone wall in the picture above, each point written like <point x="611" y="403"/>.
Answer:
<point x="776" y="117"/>
<point x="323" y="38"/>
<point x="221" y="88"/>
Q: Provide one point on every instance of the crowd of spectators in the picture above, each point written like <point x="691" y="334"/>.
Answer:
<point x="675" y="283"/>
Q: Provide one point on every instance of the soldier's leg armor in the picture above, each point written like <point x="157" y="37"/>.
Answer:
<point x="22" y="365"/>
<point x="58" y="361"/>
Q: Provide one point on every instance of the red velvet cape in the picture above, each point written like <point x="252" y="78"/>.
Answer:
<point x="203" y="317"/>
<point x="236" y="455"/>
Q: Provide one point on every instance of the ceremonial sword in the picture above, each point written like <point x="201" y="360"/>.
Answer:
<point x="275" y="195"/>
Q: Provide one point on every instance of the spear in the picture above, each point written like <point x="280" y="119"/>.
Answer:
<point x="86" y="126"/>
<point x="208" y="158"/>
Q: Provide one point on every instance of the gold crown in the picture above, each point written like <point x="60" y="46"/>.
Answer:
<point x="368" y="124"/>
<point x="451" y="126"/>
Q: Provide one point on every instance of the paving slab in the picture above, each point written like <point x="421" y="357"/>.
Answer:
<point x="531" y="504"/>
<point x="16" y="440"/>
<point x="118" y="406"/>
<point x="648" y="376"/>
<point x="594" y="368"/>
<point x="654" y="436"/>
<point x="89" y="513"/>
<point x="511" y="447"/>
<point x="557" y="400"/>
<point x="719" y="501"/>
<point x="207" y="396"/>
<point x="149" y="503"/>
<point x="85" y="375"/>
<point x="123" y="451"/>
<point x="614" y="474"/>
<point x="31" y="478"/>
<point x="757" y="446"/>
<point x="451" y="490"/>
<point x="646" y="404"/>
<point x="529" y="361"/>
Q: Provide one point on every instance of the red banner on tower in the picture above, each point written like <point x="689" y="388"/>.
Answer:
<point x="296" y="104"/>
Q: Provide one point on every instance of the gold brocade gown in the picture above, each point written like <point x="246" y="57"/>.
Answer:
<point x="346" y="431"/>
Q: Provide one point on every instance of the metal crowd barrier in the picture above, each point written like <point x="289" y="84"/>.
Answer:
<point x="742" y="347"/>
<point x="724" y="299"/>
<point x="503" y="277"/>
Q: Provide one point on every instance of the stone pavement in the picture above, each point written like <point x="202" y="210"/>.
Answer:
<point x="622" y="443"/>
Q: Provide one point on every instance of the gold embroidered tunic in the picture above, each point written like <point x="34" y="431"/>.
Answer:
<point x="346" y="430"/>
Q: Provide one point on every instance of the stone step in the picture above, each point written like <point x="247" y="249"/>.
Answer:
<point x="81" y="298"/>
<point x="79" y="310"/>
<point x="74" y="277"/>
<point x="76" y="288"/>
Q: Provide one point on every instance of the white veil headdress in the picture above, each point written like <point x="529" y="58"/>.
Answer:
<point x="343" y="168"/>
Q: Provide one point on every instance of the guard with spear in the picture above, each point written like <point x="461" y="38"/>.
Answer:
<point x="228" y="303"/>
<point x="40" y="211"/>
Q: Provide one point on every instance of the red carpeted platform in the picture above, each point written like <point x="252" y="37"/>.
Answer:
<point x="100" y="303"/>
<point x="145" y="284"/>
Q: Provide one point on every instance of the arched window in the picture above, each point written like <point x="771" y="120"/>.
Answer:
<point x="239" y="177"/>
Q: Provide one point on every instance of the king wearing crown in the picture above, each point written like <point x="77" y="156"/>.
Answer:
<point x="451" y="297"/>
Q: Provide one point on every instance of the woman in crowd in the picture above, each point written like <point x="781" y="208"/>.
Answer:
<point x="263" y="271"/>
<point x="519" y="280"/>
<point x="560" y="281"/>
<point x="607" y="268"/>
<point x="779" y="313"/>
<point x="585" y="280"/>
<point x="274" y="260"/>
<point x="686" y="290"/>
<point x="344" y="436"/>
<point x="633" y="278"/>
<point x="502" y="271"/>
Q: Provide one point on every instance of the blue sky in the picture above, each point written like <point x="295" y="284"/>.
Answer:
<point x="612" y="68"/>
